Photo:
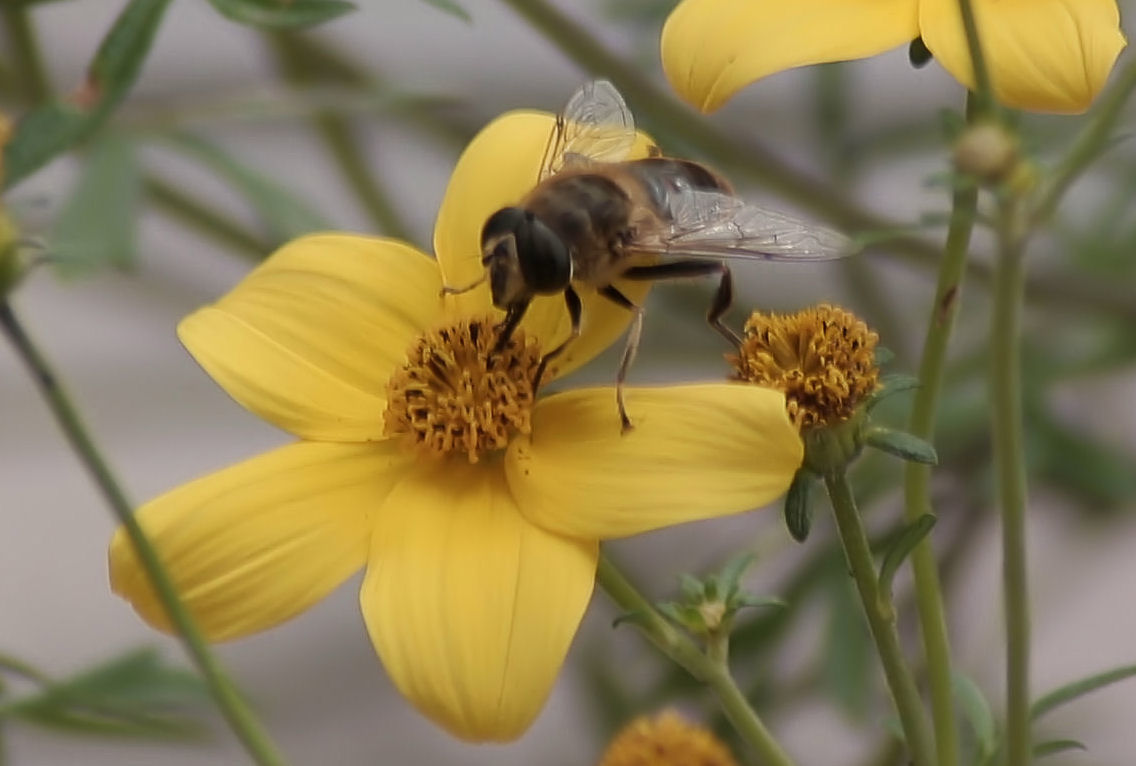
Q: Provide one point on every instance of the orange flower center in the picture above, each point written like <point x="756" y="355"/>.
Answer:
<point x="456" y="393"/>
<point x="823" y="359"/>
<point x="666" y="740"/>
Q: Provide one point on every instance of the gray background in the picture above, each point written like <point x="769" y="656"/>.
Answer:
<point x="161" y="421"/>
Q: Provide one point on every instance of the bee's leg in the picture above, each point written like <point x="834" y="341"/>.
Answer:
<point x="723" y="297"/>
<point x="513" y="316"/>
<point x="629" y="349"/>
<point x="575" y="309"/>
<point x="447" y="290"/>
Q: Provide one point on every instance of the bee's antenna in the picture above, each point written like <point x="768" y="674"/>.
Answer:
<point x="448" y="290"/>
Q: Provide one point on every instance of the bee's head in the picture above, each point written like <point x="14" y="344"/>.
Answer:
<point x="524" y="257"/>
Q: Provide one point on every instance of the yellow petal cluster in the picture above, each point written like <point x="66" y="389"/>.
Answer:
<point x="1043" y="55"/>
<point x="476" y="573"/>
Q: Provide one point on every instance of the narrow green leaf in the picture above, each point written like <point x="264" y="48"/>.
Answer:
<point x="53" y="128"/>
<point x="1072" y="691"/>
<point x="96" y="226"/>
<point x="133" y="695"/>
<point x="452" y="8"/>
<point x="891" y="385"/>
<point x="1054" y="746"/>
<point x="690" y="588"/>
<point x="758" y="602"/>
<point x="884" y="355"/>
<point x="282" y="14"/>
<point x="731" y="575"/>
<point x="284" y="214"/>
<point x="910" y="536"/>
<point x="846" y="664"/>
<point x="976" y="710"/>
<point x="798" y="510"/>
<point x="902" y="445"/>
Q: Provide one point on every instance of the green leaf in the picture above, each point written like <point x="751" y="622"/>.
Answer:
<point x="284" y="214"/>
<point x="282" y="14"/>
<point x="690" y="588"/>
<point x="798" y="510"/>
<point x="890" y="385"/>
<point x="910" y="536"/>
<point x="1054" y="746"/>
<point x="1072" y="691"/>
<point x="847" y="655"/>
<point x="133" y="695"/>
<point x="902" y="445"/>
<point x="452" y="8"/>
<point x="976" y="710"/>
<point x="96" y="226"/>
<point x="53" y="128"/>
<point x="731" y="574"/>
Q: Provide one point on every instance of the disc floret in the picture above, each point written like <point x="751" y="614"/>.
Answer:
<point x="458" y="393"/>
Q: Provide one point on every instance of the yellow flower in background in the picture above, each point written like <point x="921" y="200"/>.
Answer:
<point x="666" y="739"/>
<point x="1043" y="55"/>
<point x="474" y="506"/>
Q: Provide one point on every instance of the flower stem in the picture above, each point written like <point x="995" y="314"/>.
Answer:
<point x="1009" y="462"/>
<point x="234" y="708"/>
<point x="917" y="476"/>
<point x="682" y="650"/>
<point x="880" y="611"/>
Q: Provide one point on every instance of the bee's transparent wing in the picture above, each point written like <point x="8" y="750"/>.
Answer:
<point x="595" y="126"/>
<point x="710" y="224"/>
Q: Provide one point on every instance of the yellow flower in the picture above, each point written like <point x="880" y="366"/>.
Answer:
<point x="666" y="740"/>
<point x="474" y="506"/>
<point x="1043" y="55"/>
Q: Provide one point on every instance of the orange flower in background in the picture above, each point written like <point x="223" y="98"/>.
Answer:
<point x="474" y="505"/>
<point x="1043" y="55"/>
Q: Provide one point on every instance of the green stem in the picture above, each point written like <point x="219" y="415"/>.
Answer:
<point x="1090" y="143"/>
<point x="30" y="75"/>
<point x="1009" y="463"/>
<point x="881" y="620"/>
<point x="984" y="102"/>
<point x="204" y="219"/>
<point x="234" y="708"/>
<point x="917" y="476"/>
<point x="679" y="648"/>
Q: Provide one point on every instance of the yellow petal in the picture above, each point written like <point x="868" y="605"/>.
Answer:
<point x="309" y="338"/>
<point x="497" y="169"/>
<point x="470" y="607"/>
<point x="696" y="452"/>
<point x="1042" y="55"/>
<point x="713" y="48"/>
<point x="259" y="542"/>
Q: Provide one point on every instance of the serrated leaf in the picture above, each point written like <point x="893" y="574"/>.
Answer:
<point x="96" y="226"/>
<point x="53" y="128"/>
<point x="798" y="510"/>
<point x="284" y="214"/>
<point x="282" y="14"/>
<point x="1054" y="746"/>
<point x="1071" y="691"/>
<point x="452" y="8"/>
<point x="910" y="536"/>
<point x="902" y="445"/>
<point x="976" y="709"/>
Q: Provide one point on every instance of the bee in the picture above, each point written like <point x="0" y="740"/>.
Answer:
<point x="595" y="217"/>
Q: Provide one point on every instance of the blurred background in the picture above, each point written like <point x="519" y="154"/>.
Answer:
<point x="234" y="140"/>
